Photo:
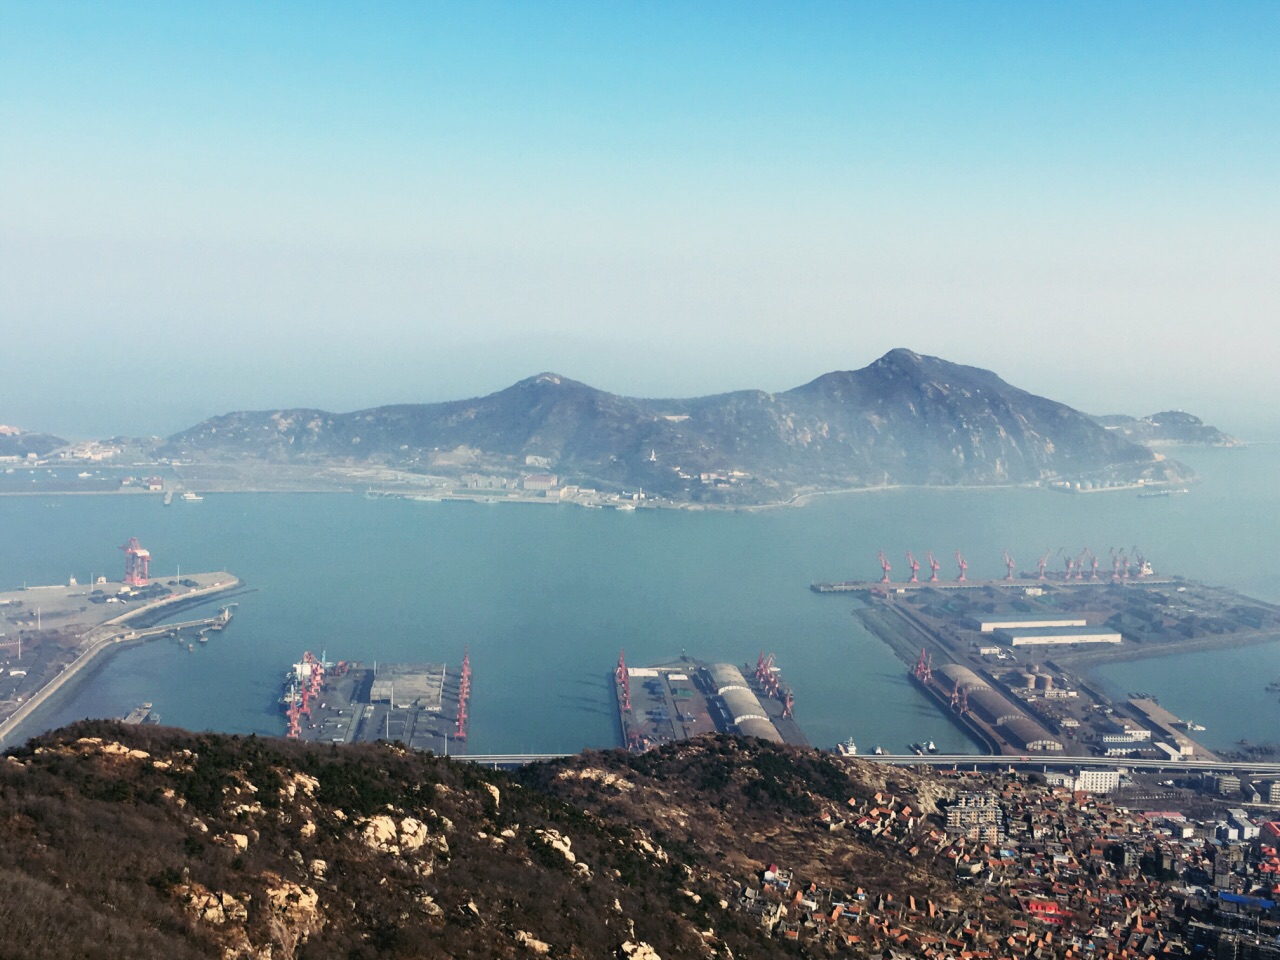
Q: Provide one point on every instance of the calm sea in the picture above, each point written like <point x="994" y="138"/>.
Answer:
<point x="546" y="596"/>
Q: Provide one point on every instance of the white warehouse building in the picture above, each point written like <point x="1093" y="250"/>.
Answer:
<point x="1048" y="636"/>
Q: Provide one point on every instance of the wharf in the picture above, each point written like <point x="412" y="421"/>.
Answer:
<point x="1024" y="693"/>
<point x="143" y="713"/>
<point x="412" y="704"/>
<point x="1017" y="583"/>
<point x="1169" y="725"/>
<point x="680" y="699"/>
<point x="52" y="633"/>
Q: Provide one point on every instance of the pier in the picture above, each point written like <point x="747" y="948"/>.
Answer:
<point x="1003" y="659"/>
<point x="686" y="698"/>
<point x="415" y="704"/>
<point x="65" y="629"/>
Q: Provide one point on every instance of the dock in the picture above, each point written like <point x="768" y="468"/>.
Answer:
<point x="56" y="632"/>
<point x="686" y="698"/>
<point x="143" y="713"/>
<point x="1007" y="660"/>
<point x="413" y="704"/>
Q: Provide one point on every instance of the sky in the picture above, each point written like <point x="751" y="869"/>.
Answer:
<point x="210" y="207"/>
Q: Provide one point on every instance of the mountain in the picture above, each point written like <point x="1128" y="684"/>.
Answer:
<point x="905" y="419"/>
<point x="15" y="442"/>
<point x="145" y="842"/>
<point x="1171" y="426"/>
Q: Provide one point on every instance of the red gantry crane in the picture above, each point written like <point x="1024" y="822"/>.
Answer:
<point x="1080" y="563"/>
<point x="137" y="563"/>
<point x="1008" y="563"/>
<point x="914" y="564"/>
<point x="964" y="565"/>
<point x="884" y="565"/>
<point x="1042" y="563"/>
<point x="934" y="565"/>
<point x="924" y="667"/>
<point x="1068" y="561"/>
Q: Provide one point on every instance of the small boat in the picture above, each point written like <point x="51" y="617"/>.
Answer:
<point x="931" y="747"/>
<point x="847" y="748"/>
<point x="878" y="751"/>
<point x="168" y="497"/>
<point x="191" y="497"/>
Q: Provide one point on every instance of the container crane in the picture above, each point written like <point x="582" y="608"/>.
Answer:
<point x="137" y="563"/>
<point x="914" y="564"/>
<point x="1080" y="563"/>
<point x="933" y="566"/>
<point x="924" y="667"/>
<point x="1140" y="562"/>
<point x="1070" y="563"/>
<point x="964" y="565"/>
<point x="1115" y="564"/>
<point x="1042" y="563"/>
<point x="1008" y="563"/>
<point x="884" y="565"/>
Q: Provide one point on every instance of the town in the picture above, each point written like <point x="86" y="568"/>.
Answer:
<point x="1063" y="871"/>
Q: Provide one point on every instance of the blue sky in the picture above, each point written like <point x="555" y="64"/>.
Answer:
<point x="207" y="207"/>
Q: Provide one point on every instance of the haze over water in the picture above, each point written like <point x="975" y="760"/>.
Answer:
<point x="546" y="596"/>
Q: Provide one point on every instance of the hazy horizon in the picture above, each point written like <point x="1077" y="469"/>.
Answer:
<point x="341" y="206"/>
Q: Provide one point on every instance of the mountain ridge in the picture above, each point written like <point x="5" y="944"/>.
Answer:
<point x="904" y="419"/>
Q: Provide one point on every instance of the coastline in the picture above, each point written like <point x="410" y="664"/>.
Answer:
<point x="115" y="635"/>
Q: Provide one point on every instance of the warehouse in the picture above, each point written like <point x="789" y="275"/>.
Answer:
<point x="741" y="703"/>
<point x="990" y="626"/>
<point x="1047" y="636"/>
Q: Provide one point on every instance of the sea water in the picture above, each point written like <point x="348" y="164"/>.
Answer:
<point x="545" y="597"/>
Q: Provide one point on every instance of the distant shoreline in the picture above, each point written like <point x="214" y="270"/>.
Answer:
<point x="802" y="499"/>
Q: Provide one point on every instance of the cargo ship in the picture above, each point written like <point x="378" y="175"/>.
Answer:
<point x="142" y="713"/>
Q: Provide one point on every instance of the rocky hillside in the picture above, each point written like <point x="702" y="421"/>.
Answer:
<point x="146" y="842"/>
<point x="1171" y="426"/>
<point x="15" y="442"/>
<point x="905" y="419"/>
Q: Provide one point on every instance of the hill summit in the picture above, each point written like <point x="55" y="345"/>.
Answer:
<point x="904" y="419"/>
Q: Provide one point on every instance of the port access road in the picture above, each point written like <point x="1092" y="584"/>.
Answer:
<point x="969" y="760"/>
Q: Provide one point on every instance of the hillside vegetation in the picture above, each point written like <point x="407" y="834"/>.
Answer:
<point x="149" y="842"/>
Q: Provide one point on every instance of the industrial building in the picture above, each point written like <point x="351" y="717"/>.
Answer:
<point x="1046" y="636"/>
<point x="1018" y="728"/>
<point x="741" y="703"/>
<point x="990" y="626"/>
